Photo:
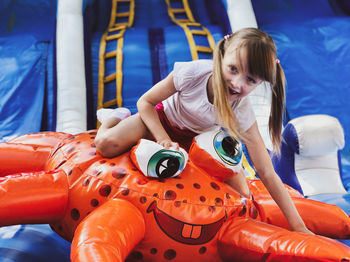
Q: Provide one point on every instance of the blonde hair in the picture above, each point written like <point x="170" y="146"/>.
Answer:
<point x="262" y="62"/>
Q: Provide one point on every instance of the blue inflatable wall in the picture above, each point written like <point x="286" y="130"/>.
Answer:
<point x="27" y="97"/>
<point x="313" y="43"/>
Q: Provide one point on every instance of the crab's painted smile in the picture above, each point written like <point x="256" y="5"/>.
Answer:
<point x="190" y="234"/>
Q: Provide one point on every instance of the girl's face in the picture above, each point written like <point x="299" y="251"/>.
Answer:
<point x="238" y="80"/>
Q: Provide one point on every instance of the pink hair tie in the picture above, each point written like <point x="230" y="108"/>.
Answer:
<point x="226" y="37"/>
<point x="277" y="61"/>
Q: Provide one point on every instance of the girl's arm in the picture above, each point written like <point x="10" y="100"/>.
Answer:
<point x="149" y="115"/>
<point x="271" y="180"/>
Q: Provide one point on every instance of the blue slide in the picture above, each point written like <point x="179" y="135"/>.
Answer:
<point x="153" y="44"/>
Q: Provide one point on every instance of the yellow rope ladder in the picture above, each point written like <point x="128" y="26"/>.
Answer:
<point x="114" y="32"/>
<point x="191" y="28"/>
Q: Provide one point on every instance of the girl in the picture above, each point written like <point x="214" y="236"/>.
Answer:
<point x="200" y="94"/>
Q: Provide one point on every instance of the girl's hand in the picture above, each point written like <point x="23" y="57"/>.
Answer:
<point x="304" y="230"/>
<point x="307" y="231"/>
<point x="169" y="144"/>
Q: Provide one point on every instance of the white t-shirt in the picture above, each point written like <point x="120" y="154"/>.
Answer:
<point x="189" y="108"/>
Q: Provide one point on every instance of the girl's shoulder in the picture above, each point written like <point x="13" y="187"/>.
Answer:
<point x="193" y="68"/>
<point x="185" y="73"/>
<point x="202" y="64"/>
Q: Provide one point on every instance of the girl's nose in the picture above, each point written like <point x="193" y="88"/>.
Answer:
<point x="237" y="83"/>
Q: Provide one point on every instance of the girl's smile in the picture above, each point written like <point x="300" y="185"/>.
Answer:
<point x="232" y="90"/>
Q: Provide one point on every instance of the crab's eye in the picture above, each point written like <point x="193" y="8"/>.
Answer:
<point x="165" y="163"/>
<point x="228" y="148"/>
<point x="153" y="160"/>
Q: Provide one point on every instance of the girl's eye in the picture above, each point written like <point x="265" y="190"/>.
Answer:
<point x="251" y="80"/>
<point x="233" y="69"/>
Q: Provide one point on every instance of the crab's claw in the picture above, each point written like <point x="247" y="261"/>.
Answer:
<point x="321" y="218"/>
<point x="109" y="233"/>
<point x="251" y="240"/>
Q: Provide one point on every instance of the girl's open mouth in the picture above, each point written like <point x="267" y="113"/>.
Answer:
<point x="232" y="92"/>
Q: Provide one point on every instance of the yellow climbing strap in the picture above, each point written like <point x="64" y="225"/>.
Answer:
<point x="114" y="35"/>
<point x="249" y="171"/>
<point x="191" y="28"/>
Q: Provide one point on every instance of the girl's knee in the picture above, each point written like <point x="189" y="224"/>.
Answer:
<point x="114" y="141"/>
<point x="106" y="146"/>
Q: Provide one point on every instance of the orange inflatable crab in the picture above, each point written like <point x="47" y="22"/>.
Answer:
<point x="112" y="212"/>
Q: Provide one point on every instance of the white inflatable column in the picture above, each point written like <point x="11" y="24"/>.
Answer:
<point x="71" y="86"/>
<point x="241" y="14"/>
<point x="319" y="138"/>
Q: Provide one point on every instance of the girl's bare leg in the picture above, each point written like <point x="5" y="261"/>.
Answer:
<point x="115" y="136"/>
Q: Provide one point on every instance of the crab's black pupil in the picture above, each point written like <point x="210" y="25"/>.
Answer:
<point x="229" y="145"/>
<point x="172" y="166"/>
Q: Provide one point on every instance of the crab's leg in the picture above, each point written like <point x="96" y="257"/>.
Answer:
<point x="251" y="240"/>
<point x="321" y="218"/>
<point x="33" y="198"/>
<point x="41" y="139"/>
<point x="109" y="233"/>
<point x="28" y="153"/>
<point x="15" y="158"/>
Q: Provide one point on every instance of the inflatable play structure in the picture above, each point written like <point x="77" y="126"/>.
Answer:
<point x="153" y="204"/>
<point x="62" y="60"/>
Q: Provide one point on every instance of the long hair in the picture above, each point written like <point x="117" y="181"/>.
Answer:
<point x="262" y="62"/>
